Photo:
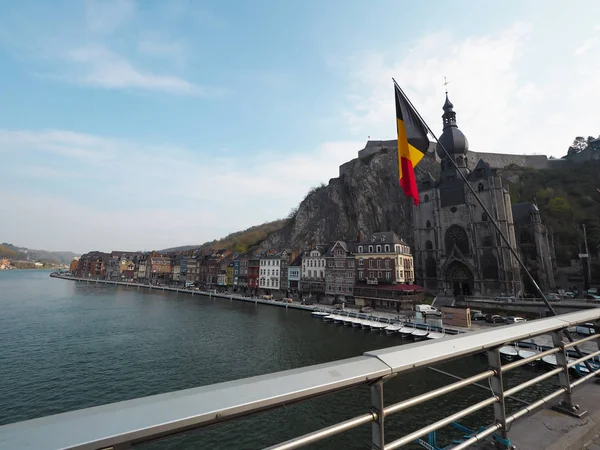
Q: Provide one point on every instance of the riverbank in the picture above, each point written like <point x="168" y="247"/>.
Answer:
<point x="209" y="294"/>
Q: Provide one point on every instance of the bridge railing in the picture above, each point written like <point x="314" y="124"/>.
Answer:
<point x="118" y="425"/>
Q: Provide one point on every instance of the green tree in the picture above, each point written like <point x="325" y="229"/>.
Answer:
<point x="559" y="207"/>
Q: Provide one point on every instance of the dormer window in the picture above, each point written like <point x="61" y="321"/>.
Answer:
<point x="387" y="248"/>
<point x="360" y="249"/>
<point x="378" y="249"/>
<point x="370" y="249"/>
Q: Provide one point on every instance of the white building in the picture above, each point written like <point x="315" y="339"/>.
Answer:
<point x="269" y="272"/>
<point x="313" y="264"/>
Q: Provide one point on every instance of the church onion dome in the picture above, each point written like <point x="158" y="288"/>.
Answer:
<point x="453" y="140"/>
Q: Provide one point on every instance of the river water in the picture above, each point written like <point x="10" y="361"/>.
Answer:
<point x="67" y="345"/>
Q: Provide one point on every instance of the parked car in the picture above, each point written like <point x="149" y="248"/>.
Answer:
<point x="553" y="297"/>
<point x="592" y="297"/>
<point x="366" y="309"/>
<point x="569" y="294"/>
<point x="477" y="315"/>
<point x="514" y="319"/>
<point x="494" y="318"/>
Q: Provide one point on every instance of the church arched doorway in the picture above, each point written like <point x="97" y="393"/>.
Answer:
<point x="460" y="278"/>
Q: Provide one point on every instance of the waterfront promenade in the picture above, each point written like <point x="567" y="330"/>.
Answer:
<point x="256" y="300"/>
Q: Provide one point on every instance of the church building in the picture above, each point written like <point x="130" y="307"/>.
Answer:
<point x="457" y="248"/>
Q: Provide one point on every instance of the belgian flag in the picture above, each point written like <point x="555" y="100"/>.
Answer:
<point x="412" y="144"/>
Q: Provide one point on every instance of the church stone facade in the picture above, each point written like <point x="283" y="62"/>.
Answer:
<point x="457" y="249"/>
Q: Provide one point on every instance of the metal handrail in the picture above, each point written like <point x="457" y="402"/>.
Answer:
<point x="143" y="419"/>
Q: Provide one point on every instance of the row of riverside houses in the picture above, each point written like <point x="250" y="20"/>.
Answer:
<point x="375" y="271"/>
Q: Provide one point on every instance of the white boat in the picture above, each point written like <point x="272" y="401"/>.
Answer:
<point x="419" y="334"/>
<point x="550" y="360"/>
<point x="393" y="328"/>
<point x="357" y="323"/>
<point x="340" y="318"/>
<point x="508" y="352"/>
<point x="349" y="319"/>
<point x="366" y="324"/>
<point x="379" y="325"/>
<point x="436" y="334"/>
<point x="319" y="313"/>
<point x="407" y="330"/>
<point x="528" y="353"/>
<point x="329" y="317"/>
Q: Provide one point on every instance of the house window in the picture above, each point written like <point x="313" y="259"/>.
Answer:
<point x="371" y="274"/>
<point x="370" y="249"/>
<point x="360" y="249"/>
<point x="378" y="249"/>
<point x="428" y="224"/>
<point x="387" y="248"/>
<point x="378" y="274"/>
<point x="371" y="263"/>
<point x="360" y="262"/>
<point x="351" y="263"/>
<point x="379" y="264"/>
<point x="361" y="274"/>
<point x="387" y="263"/>
<point x="388" y="276"/>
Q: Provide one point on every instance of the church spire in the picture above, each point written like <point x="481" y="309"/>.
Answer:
<point x="449" y="116"/>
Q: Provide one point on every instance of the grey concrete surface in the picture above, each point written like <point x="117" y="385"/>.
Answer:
<point x="551" y="430"/>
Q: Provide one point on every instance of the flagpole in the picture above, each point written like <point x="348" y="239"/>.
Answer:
<point x="490" y="216"/>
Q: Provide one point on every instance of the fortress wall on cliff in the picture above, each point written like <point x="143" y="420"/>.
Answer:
<point x="495" y="160"/>
<point x="500" y="160"/>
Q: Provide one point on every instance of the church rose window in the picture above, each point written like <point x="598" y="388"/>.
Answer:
<point x="456" y="236"/>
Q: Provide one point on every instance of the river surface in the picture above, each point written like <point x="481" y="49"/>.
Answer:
<point x="67" y="345"/>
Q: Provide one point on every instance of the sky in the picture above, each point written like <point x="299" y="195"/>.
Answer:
<point x="143" y="125"/>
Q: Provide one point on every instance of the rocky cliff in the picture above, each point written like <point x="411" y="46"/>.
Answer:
<point x="366" y="197"/>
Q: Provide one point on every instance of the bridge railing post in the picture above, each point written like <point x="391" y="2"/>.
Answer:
<point x="565" y="405"/>
<point x="497" y="385"/>
<point x="377" y="428"/>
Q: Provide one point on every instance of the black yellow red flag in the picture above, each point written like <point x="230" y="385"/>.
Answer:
<point x="412" y="144"/>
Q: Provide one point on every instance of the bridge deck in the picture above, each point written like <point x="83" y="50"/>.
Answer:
<point x="551" y="430"/>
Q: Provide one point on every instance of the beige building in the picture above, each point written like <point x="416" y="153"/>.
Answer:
<point x="384" y="258"/>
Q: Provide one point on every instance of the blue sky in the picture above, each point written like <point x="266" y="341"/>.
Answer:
<point x="140" y="125"/>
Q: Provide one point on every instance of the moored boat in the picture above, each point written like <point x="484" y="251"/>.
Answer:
<point x="582" y="369"/>
<point x="436" y="334"/>
<point x="319" y="313"/>
<point x="393" y="328"/>
<point x="508" y="352"/>
<point x="419" y="334"/>
<point x="550" y="360"/>
<point x="407" y="330"/>
<point x="528" y="353"/>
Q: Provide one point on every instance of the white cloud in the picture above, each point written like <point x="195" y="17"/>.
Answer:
<point x="176" y="196"/>
<point x="98" y="66"/>
<point x="501" y="106"/>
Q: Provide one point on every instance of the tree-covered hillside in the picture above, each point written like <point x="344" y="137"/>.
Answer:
<point x="239" y="241"/>
<point x="567" y="198"/>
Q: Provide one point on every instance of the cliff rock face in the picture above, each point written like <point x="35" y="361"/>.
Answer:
<point x="366" y="198"/>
